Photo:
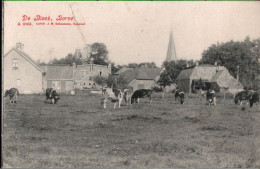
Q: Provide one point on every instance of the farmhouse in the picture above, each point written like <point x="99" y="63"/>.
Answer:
<point x="65" y="78"/>
<point x="140" y="78"/>
<point x="84" y="74"/>
<point x="207" y="77"/>
<point x="21" y="72"/>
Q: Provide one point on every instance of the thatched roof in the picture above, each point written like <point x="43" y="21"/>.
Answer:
<point x="141" y="74"/>
<point x="185" y="74"/>
<point x="122" y="70"/>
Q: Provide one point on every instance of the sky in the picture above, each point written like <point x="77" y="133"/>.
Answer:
<point x="133" y="32"/>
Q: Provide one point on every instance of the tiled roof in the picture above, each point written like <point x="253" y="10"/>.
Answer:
<point x="59" y="72"/>
<point x="27" y="57"/>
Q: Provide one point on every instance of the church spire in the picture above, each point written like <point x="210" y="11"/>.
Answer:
<point x="171" y="53"/>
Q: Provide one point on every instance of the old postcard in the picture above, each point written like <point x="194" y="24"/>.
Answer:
<point x="130" y="84"/>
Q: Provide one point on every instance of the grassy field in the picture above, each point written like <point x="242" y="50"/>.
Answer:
<point x="77" y="132"/>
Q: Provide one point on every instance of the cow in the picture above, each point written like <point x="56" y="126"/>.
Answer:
<point x="12" y="93"/>
<point x="180" y="96"/>
<point x="254" y="98"/>
<point x="141" y="93"/>
<point x="211" y="98"/>
<point x="127" y="94"/>
<point x="52" y="95"/>
<point x="114" y="95"/>
<point x="243" y="95"/>
<point x="176" y="95"/>
<point x="104" y="89"/>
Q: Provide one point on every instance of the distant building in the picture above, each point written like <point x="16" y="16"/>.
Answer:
<point x="84" y="75"/>
<point x="67" y="78"/>
<point x="22" y="72"/>
<point x="141" y="78"/>
<point x="59" y="77"/>
<point x="171" y="52"/>
<point x="203" y="77"/>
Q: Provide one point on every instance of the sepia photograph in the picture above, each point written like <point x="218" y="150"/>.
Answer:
<point x="130" y="84"/>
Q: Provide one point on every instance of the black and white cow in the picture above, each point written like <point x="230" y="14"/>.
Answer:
<point x="211" y="97"/>
<point x="176" y="94"/>
<point x="127" y="94"/>
<point x="104" y="89"/>
<point x="180" y="96"/>
<point x="52" y="95"/>
<point x="114" y="95"/>
<point x="243" y="96"/>
<point x="141" y="93"/>
<point x="12" y="93"/>
<point x="254" y="98"/>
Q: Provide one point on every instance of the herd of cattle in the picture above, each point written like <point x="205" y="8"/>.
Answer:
<point x="117" y="96"/>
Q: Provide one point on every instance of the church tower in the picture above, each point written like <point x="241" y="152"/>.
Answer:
<point x="171" y="53"/>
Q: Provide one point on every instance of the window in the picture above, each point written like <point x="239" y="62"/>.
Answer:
<point x="18" y="82"/>
<point x="100" y="73"/>
<point x="15" y="64"/>
<point x="89" y="84"/>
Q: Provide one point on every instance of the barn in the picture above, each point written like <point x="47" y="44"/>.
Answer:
<point x="59" y="77"/>
<point x="22" y="72"/>
<point x="203" y="77"/>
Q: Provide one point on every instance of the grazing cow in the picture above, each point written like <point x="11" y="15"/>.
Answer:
<point x="254" y="98"/>
<point x="115" y="96"/>
<point x="127" y="96"/>
<point x="12" y="93"/>
<point x="52" y="95"/>
<point x="176" y="95"/>
<point x="181" y="97"/>
<point x="211" y="98"/>
<point x="104" y="89"/>
<point x="243" y="95"/>
<point x="141" y="94"/>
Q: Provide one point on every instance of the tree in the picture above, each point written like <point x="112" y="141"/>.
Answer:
<point x="164" y="79"/>
<point x="232" y="54"/>
<point x="99" y="53"/>
<point x="100" y="80"/>
<point x="117" y="82"/>
<point x="174" y="68"/>
<point x="68" y="60"/>
<point x="115" y="68"/>
<point x="140" y="65"/>
<point x="147" y="64"/>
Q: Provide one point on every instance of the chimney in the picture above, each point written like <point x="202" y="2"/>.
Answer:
<point x="188" y="65"/>
<point x="216" y="63"/>
<point x="19" y="46"/>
